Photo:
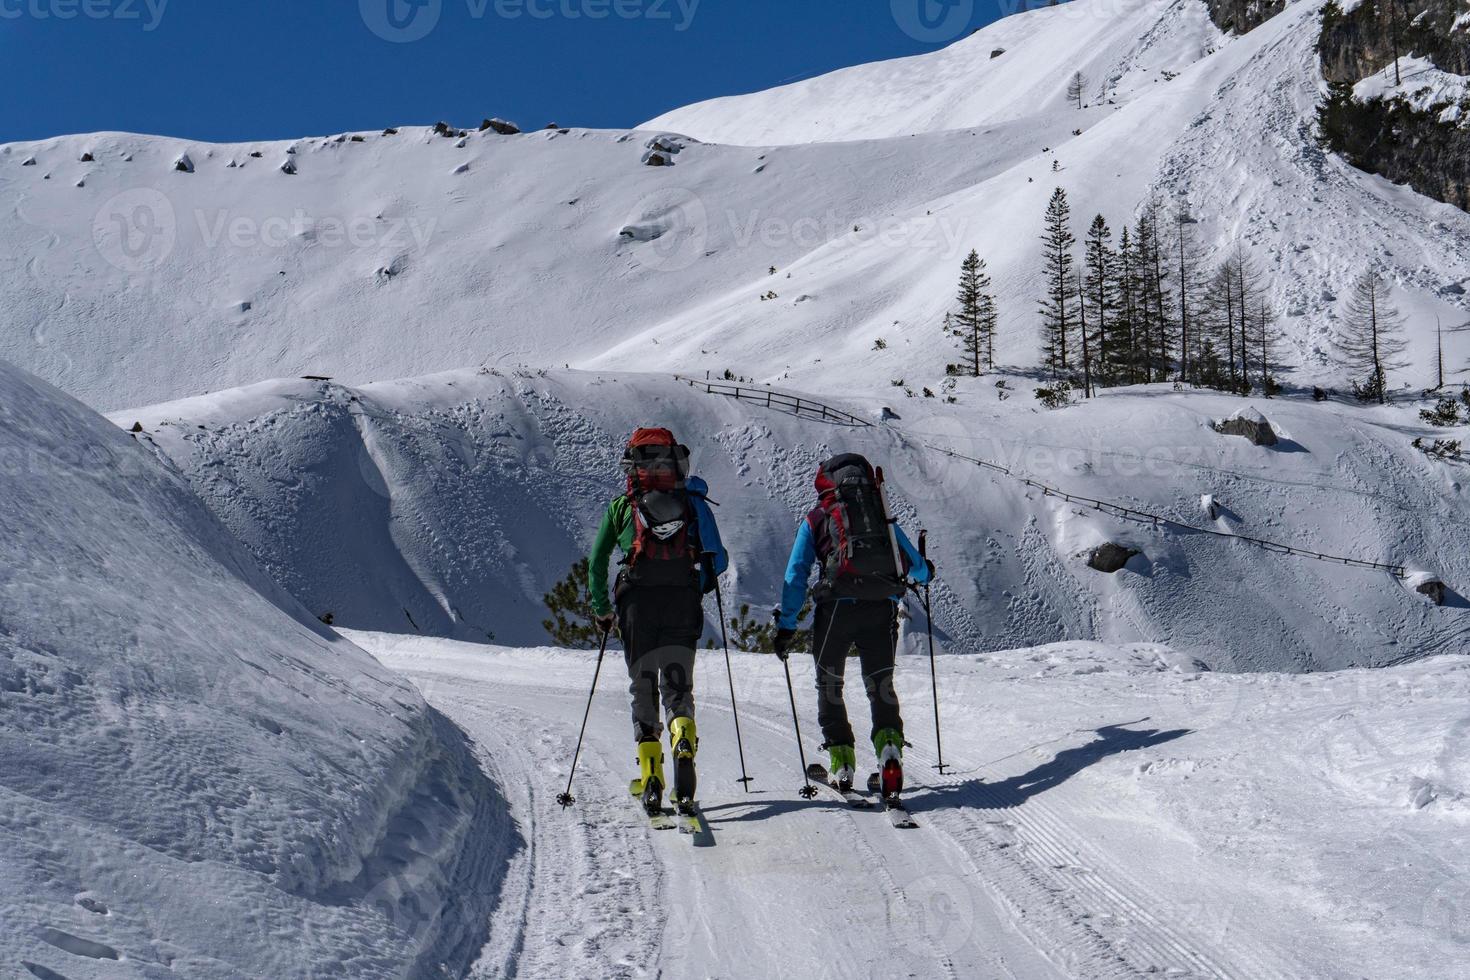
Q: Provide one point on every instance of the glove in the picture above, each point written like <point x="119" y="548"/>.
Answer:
<point x="606" y="623"/>
<point x="782" y="643"/>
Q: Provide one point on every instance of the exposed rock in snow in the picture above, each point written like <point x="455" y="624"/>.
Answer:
<point x="184" y="164"/>
<point x="1111" y="557"/>
<point x="1250" y="424"/>
<point x="500" y="126"/>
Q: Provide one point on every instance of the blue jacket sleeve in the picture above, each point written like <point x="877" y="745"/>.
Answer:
<point x="709" y="531"/>
<point x="918" y="567"/>
<point x="798" y="571"/>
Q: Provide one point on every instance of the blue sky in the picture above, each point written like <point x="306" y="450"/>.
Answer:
<point x="263" y="69"/>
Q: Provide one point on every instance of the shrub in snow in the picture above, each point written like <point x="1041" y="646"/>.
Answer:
<point x="1059" y="395"/>
<point x="1248" y="424"/>
<point x="1443" y="449"/>
<point x="500" y="126"/>
<point x="183" y="164"/>
<point x="1110" y="557"/>
<point x="1444" y="414"/>
<point x="570" y="604"/>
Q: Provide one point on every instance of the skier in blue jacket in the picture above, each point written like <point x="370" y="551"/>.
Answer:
<point x="866" y="560"/>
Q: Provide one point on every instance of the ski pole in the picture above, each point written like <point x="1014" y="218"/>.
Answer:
<point x="808" y="791"/>
<point x="567" y="799"/>
<point x="933" y="674"/>
<point x="745" y="778"/>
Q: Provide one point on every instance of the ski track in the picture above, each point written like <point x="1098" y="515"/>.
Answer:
<point x="984" y="887"/>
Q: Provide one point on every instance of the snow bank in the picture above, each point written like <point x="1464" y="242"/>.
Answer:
<point x="197" y="776"/>
<point x="449" y="505"/>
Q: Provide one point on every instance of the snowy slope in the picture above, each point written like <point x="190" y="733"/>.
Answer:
<point x="196" y="778"/>
<point x="1232" y="136"/>
<point x="451" y="504"/>
<point x="1110" y="813"/>
<point x="1121" y="48"/>
<point x="379" y="259"/>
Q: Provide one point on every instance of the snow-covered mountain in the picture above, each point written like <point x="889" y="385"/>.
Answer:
<point x="134" y="282"/>
<point x="198" y="779"/>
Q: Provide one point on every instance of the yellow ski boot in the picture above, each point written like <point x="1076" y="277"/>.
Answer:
<point x="686" y="743"/>
<point x="649" y="786"/>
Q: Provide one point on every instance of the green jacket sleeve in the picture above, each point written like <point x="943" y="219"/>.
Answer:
<point x="608" y="535"/>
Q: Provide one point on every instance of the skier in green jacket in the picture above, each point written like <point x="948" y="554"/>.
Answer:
<point x="671" y="555"/>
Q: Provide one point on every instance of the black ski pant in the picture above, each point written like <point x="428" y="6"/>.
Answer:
<point x="660" y="628"/>
<point x="872" y="627"/>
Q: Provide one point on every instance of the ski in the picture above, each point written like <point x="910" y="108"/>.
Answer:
<point x="657" y="818"/>
<point x="817" y="773"/>
<point x="898" y="814"/>
<point x="690" y="820"/>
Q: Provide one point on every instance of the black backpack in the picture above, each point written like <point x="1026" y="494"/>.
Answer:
<point x="863" y="560"/>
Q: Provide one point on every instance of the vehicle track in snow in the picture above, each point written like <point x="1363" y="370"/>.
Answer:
<point x="988" y="886"/>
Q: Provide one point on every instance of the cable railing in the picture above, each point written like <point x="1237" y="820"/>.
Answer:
<point x="805" y="408"/>
<point x="811" y="409"/>
<point x="1157" y="520"/>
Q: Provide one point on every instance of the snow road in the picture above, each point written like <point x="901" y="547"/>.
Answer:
<point x="1123" y="824"/>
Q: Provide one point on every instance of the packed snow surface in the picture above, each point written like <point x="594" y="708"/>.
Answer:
<point x="1108" y="811"/>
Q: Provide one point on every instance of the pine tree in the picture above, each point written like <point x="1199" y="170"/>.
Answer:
<point x="974" y="322"/>
<point x="1185" y="285"/>
<point x="1087" y="362"/>
<point x="1264" y="339"/>
<point x="1056" y="305"/>
<point x="1216" y="324"/>
<point x="1126" y="326"/>
<point x="1370" y="339"/>
<point x="1076" y="88"/>
<point x="1152" y="316"/>
<point x="1248" y="298"/>
<point x="1101" y="287"/>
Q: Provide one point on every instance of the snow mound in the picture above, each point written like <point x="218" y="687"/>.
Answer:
<point x="192" y="763"/>
<point x="449" y="505"/>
